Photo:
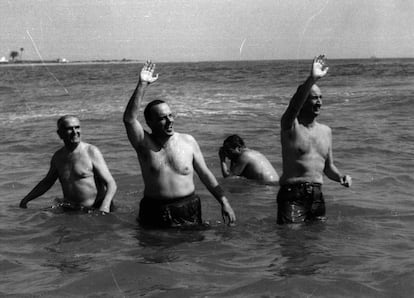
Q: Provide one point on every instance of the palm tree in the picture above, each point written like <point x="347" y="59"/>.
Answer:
<point x="13" y="55"/>
<point x="21" y="53"/>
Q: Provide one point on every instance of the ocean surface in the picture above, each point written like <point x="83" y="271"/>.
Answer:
<point x="364" y="249"/>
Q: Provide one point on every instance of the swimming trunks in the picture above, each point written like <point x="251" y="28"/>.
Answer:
<point x="300" y="202"/>
<point x="161" y="213"/>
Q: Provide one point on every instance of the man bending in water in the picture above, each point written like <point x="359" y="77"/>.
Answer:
<point x="245" y="162"/>
<point x="81" y="169"/>
<point x="168" y="160"/>
<point x="306" y="152"/>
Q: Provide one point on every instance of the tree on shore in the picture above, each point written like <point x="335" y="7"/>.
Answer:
<point x="21" y="53"/>
<point x="13" y="55"/>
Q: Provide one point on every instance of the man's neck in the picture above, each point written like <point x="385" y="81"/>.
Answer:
<point x="163" y="139"/>
<point x="72" y="147"/>
<point x="307" y="120"/>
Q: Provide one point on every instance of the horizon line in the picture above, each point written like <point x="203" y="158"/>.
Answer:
<point x="125" y="60"/>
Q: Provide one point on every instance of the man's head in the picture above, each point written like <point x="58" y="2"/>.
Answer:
<point x="233" y="146"/>
<point x="69" y="130"/>
<point x="159" y="118"/>
<point x="313" y="103"/>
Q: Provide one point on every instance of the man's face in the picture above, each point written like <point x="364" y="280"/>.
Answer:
<point x="231" y="153"/>
<point x="313" y="103"/>
<point x="162" y="120"/>
<point x="69" y="131"/>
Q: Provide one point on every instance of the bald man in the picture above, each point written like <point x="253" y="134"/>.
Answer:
<point x="81" y="169"/>
<point x="306" y="153"/>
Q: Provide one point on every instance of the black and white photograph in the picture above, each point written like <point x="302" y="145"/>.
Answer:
<point x="193" y="148"/>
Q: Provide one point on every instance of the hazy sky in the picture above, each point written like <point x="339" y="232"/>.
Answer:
<point x="198" y="30"/>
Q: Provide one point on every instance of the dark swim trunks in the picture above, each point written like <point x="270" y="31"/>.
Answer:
<point x="299" y="203"/>
<point x="158" y="213"/>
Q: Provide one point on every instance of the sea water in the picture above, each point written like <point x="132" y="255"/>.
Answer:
<point x="364" y="249"/>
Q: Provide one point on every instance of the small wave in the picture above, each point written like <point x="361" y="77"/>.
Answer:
<point x="16" y="118"/>
<point x="7" y="90"/>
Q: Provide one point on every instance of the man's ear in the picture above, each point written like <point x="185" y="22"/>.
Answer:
<point x="149" y="121"/>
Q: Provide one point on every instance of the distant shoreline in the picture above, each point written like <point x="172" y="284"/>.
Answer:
<point x="54" y="62"/>
<point x="131" y="61"/>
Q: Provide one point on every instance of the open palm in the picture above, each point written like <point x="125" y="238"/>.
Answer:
<point x="147" y="73"/>
<point x="319" y="68"/>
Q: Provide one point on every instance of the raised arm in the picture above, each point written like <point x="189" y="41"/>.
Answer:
<point x="104" y="175"/>
<point x="43" y="186"/>
<point x="208" y="179"/>
<point x="134" y="129"/>
<point x="318" y="70"/>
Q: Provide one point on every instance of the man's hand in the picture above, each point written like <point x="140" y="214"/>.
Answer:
<point x="346" y="181"/>
<point x="228" y="213"/>
<point x="104" y="209"/>
<point x="319" y="68"/>
<point x="147" y="73"/>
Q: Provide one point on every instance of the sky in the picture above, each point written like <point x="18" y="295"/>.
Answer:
<point x="206" y="30"/>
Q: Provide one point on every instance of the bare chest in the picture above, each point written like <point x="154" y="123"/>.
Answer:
<point x="74" y="167"/>
<point x="309" y="141"/>
<point x="175" y="159"/>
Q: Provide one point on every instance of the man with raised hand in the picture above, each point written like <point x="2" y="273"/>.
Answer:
<point x="168" y="160"/>
<point x="306" y="152"/>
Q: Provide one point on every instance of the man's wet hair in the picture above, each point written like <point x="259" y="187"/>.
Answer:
<point x="234" y="141"/>
<point x="147" y="110"/>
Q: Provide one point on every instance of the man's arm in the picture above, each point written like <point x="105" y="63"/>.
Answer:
<point x="331" y="171"/>
<point x="43" y="186"/>
<point x="236" y="168"/>
<point x="134" y="129"/>
<point x="223" y="165"/>
<point x="208" y="179"/>
<point x="101" y="170"/>
<point x="318" y="70"/>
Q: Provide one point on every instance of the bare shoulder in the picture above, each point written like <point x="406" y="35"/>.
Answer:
<point x="253" y="155"/>
<point x="91" y="150"/>
<point x="249" y="154"/>
<point x="324" y="131"/>
<point x="182" y="137"/>
<point x="188" y="142"/>
<point x="89" y="147"/>
<point x="323" y="128"/>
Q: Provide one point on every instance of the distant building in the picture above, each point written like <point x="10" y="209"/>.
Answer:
<point x="4" y="60"/>
<point x="62" y="60"/>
